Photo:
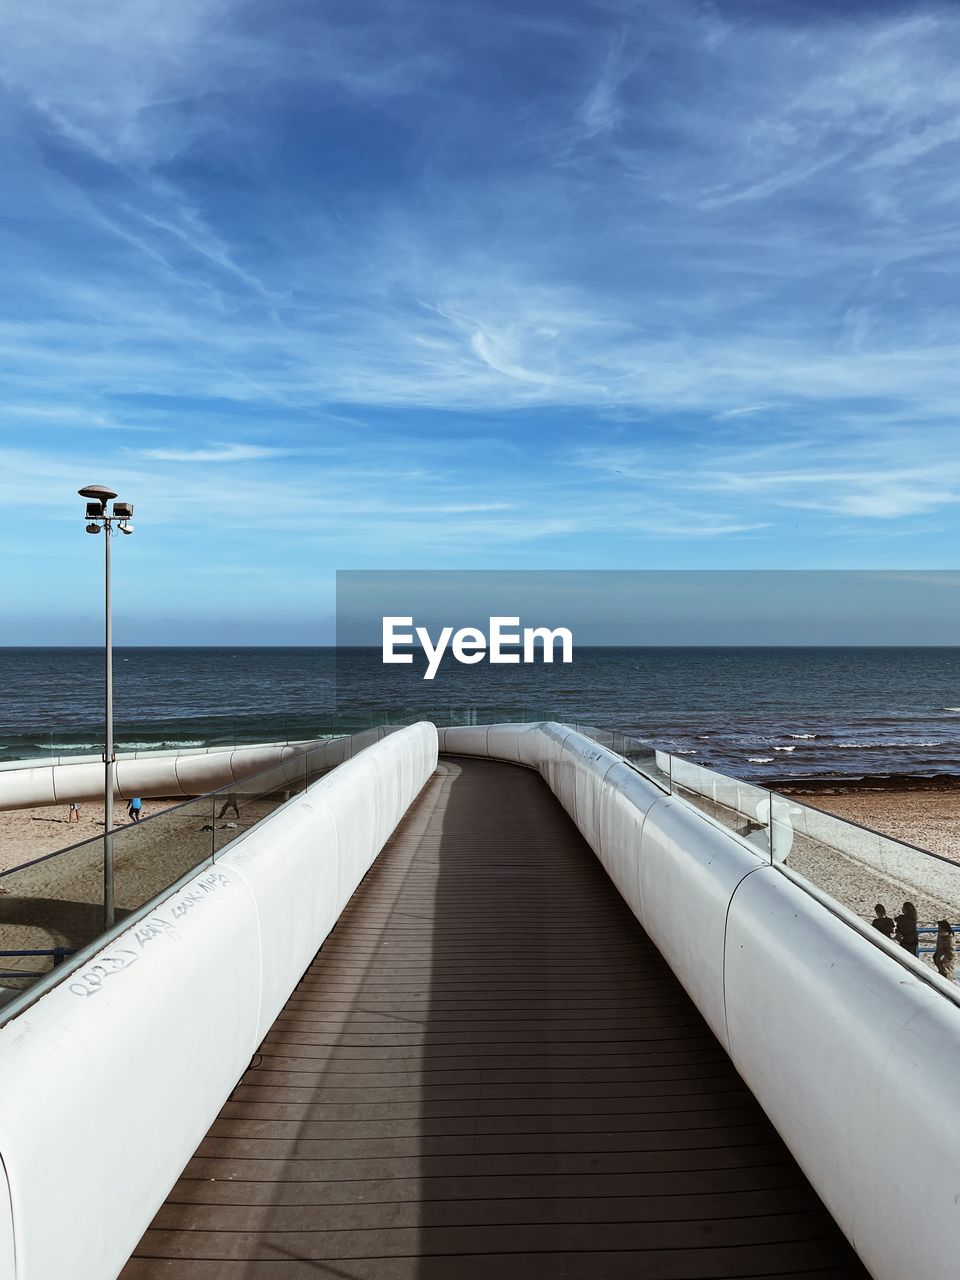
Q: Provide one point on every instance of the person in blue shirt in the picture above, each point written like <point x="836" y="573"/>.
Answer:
<point x="133" y="809"/>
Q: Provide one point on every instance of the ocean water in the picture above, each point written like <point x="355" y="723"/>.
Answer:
<point x="759" y="713"/>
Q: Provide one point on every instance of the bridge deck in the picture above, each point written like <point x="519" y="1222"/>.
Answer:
<point x="489" y="1071"/>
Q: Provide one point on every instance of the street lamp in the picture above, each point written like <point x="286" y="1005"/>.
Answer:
<point x="98" y="519"/>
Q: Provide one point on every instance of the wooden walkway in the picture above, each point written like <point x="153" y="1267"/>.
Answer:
<point x="489" y="1073"/>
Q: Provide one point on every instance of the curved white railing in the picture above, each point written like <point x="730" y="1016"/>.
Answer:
<point x="110" y="1080"/>
<point x="852" y="1055"/>
<point x="167" y="774"/>
<point x="142" y="753"/>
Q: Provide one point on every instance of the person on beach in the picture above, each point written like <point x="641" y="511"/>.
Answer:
<point x="133" y="809"/>
<point x="73" y="813"/>
<point x="943" y="956"/>
<point x="229" y="803"/>
<point x="882" y="921"/>
<point x="906" y="929"/>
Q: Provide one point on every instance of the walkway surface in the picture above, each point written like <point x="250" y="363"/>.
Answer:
<point x="489" y="1073"/>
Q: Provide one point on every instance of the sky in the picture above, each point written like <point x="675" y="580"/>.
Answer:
<point x="406" y="285"/>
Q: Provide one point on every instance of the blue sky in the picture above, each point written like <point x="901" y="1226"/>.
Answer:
<point x="412" y="285"/>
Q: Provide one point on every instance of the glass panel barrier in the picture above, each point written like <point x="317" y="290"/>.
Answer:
<point x="739" y="806"/>
<point x="241" y="806"/>
<point x="52" y="904"/>
<point x="864" y="870"/>
<point x="155" y="853"/>
<point x="645" y="758"/>
<point x="52" y="907"/>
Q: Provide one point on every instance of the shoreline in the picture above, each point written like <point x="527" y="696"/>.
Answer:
<point x="866" y="782"/>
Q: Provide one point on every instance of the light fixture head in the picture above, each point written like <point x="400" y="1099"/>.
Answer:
<point x="93" y="528"/>
<point x="123" y="509"/>
<point x="98" y="492"/>
<point x="126" y="527"/>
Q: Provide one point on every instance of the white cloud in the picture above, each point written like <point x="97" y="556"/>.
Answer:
<point x="847" y="479"/>
<point x="217" y="453"/>
<point x="740" y="413"/>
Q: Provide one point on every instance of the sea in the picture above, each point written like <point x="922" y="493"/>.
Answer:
<point x="766" y="714"/>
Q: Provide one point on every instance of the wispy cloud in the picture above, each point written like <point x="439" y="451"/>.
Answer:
<point x="874" y="480"/>
<point x="218" y="453"/>
<point x="602" y="109"/>
<point x="566" y="283"/>
<point x="739" y="413"/>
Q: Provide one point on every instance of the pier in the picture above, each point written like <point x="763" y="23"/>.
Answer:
<point x="483" y="1001"/>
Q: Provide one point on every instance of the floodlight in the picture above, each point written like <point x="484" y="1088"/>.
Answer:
<point x="126" y="528"/>
<point x="123" y="509"/>
<point x="94" y="510"/>
<point x="93" y="528"/>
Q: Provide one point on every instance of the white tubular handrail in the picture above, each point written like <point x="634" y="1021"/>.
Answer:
<point x="109" y="1081"/>
<point x="162" y="773"/>
<point x="174" y="774"/>
<point x="852" y="1055"/>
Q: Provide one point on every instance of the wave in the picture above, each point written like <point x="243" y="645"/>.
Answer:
<point x="760" y="759"/>
<point x="784" y="748"/>
<point x="891" y="744"/>
<point x="804" y="735"/>
<point x="951" y="708"/>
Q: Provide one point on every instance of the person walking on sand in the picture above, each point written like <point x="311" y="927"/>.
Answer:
<point x="943" y="956"/>
<point x="230" y="802"/>
<point x="73" y="813"/>
<point x="133" y="809"/>
<point x="882" y="922"/>
<point x="906" y="930"/>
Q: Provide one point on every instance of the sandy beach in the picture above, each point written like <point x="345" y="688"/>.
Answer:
<point x="927" y="819"/>
<point x="29" y="833"/>
<point x="57" y="902"/>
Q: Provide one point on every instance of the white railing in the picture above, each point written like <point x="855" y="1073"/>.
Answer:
<point x="109" y="1081"/>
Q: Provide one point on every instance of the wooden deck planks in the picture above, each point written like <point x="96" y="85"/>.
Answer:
<point x="489" y="1071"/>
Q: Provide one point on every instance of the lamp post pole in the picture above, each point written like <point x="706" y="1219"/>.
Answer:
<point x="109" y="756"/>
<point x="98" y="520"/>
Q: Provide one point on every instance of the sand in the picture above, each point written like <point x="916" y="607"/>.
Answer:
<point x="927" y="819"/>
<point x="30" y="833"/>
<point x="59" y="902"/>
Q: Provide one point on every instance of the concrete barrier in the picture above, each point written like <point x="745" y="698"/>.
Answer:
<point x="111" y="1079"/>
<point x="851" y="1053"/>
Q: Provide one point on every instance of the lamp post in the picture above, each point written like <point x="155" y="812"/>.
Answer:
<point x="99" y="520"/>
